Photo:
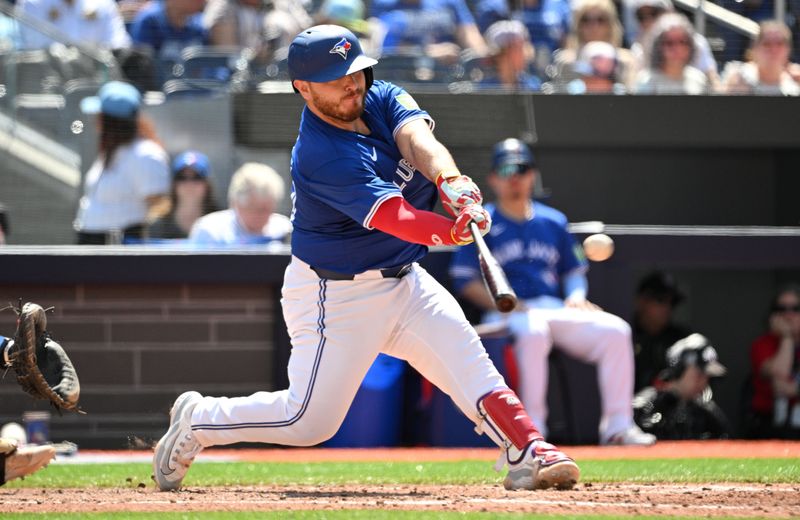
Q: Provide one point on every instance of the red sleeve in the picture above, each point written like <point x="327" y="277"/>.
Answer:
<point x="762" y="349"/>
<point x="399" y="218"/>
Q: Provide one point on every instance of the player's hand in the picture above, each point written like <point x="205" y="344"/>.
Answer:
<point x="780" y="326"/>
<point x="582" y="304"/>
<point x="460" y="232"/>
<point x="456" y="191"/>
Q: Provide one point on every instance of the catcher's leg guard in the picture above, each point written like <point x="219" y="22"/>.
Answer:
<point x="532" y="462"/>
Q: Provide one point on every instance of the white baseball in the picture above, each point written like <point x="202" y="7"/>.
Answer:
<point x="598" y="247"/>
<point x="14" y="431"/>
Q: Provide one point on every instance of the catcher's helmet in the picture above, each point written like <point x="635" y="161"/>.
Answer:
<point x="510" y="153"/>
<point x="325" y="53"/>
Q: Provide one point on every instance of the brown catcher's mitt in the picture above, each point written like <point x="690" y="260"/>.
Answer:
<point x="43" y="368"/>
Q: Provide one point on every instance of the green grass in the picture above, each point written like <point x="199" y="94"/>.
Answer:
<point x="774" y="470"/>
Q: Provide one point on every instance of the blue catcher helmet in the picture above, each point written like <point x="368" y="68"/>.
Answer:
<point x="325" y="53"/>
<point x="508" y="155"/>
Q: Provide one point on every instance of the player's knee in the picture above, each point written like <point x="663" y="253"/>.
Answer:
<point x="616" y="327"/>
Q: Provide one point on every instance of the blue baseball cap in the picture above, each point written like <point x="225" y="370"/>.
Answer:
<point x="192" y="159"/>
<point x="116" y="99"/>
<point x="508" y="155"/>
<point x="325" y="53"/>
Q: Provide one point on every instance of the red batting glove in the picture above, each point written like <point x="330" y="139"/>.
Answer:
<point x="456" y="191"/>
<point x="460" y="233"/>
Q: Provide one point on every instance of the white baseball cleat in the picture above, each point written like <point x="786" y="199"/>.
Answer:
<point x="27" y="460"/>
<point x="543" y="466"/>
<point x="177" y="449"/>
<point x="630" y="436"/>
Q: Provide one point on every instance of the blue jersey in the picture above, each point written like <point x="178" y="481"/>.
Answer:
<point x="152" y="27"/>
<point x="535" y="254"/>
<point x="421" y="23"/>
<point x="340" y="178"/>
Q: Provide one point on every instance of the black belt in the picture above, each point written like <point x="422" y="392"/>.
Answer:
<point x="392" y="272"/>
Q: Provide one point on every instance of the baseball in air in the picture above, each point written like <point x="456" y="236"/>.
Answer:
<point x="598" y="247"/>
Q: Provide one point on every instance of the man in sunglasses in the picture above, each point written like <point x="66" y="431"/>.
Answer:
<point x="547" y="270"/>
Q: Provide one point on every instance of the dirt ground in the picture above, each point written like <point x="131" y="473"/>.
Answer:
<point x="707" y="500"/>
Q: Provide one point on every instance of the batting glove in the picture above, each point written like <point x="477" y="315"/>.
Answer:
<point x="456" y="191"/>
<point x="460" y="233"/>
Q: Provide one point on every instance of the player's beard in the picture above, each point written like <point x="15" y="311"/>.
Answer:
<point x="334" y="110"/>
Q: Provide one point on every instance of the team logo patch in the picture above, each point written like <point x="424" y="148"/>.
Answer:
<point x="406" y="101"/>
<point x="341" y="48"/>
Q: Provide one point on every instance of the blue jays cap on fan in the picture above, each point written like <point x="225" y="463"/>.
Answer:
<point x="191" y="159"/>
<point x="115" y="99"/>
<point x="325" y="53"/>
<point x="508" y="155"/>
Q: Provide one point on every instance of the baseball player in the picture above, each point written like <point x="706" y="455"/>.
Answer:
<point x="18" y="461"/>
<point x="541" y="258"/>
<point x="366" y="170"/>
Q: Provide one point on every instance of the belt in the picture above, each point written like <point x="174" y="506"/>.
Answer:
<point x="392" y="272"/>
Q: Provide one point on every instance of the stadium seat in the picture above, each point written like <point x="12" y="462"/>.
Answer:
<point x="31" y="72"/>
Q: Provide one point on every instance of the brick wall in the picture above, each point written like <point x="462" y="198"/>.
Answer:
<point x="137" y="346"/>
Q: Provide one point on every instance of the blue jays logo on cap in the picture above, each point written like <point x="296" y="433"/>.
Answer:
<point x="341" y="48"/>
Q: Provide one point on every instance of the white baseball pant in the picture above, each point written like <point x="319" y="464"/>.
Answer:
<point x="594" y="337"/>
<point x="337" y="329"/>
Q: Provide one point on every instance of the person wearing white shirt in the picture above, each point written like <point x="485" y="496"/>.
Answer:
<point x="254" y="192"/>
<point x="130" y="179"/>
<point x="89" y="22"/>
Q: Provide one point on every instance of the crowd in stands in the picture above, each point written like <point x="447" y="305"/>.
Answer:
<point x="552" y="46"/>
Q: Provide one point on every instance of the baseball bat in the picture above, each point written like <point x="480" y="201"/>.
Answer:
<point x="505" y="299"/>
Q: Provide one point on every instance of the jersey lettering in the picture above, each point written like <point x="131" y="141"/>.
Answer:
<point x="405" y="170"/>
<point x="514" y="250"/>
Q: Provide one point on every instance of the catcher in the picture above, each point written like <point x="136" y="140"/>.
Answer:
<point x="44" y="371"/>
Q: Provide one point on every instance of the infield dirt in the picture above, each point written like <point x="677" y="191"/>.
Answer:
<point x="703" y="500"/>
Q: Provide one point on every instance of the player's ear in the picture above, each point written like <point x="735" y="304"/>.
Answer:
<point x="301" y="87"/>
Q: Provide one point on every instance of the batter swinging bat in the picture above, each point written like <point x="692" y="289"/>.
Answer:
<point x="505" y="299"/>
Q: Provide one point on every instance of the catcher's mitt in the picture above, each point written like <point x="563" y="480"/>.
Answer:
<point x="43" y="368"/>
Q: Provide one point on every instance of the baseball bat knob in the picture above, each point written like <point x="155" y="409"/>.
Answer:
<point x="505" y="302"/>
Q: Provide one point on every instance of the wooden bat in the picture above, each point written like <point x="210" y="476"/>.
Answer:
<point x="505" y="299"/>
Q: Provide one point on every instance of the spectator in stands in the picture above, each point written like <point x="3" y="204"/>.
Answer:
<point x="511" y="56"/>
<point x="646" y="14"/>
<point x="127" y="185"/>
<point x="654" y="327"/>
<point x="682" y="407"/>
<point x="547" y="270"/>
<point x="438" y="29"/>
<point x="253" y="195"/>
<point x="598" y="70"/>
<point x="775" y="362"/>
<point x="192" y="196"/>
<point x="766" y="73"/>
<point x="595" y="21"/>
<point x="548" y="23"/>
<point x="86" y="22"/>
<point x="737" y="44"/>
<point x="166" y="27"/>
<point x="3" y="225"/>
<point x="263" y="26"/>
<point x="352" y="14"/>
<point x="670" y="49"/>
